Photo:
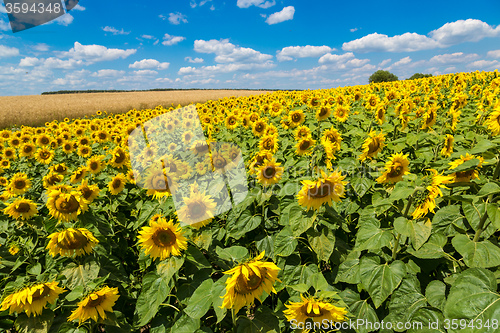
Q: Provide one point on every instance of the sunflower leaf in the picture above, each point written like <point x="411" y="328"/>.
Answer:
<point x="155" y="289"/>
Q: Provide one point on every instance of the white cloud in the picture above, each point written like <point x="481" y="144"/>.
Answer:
<point x="6" y="51"/>
<point x="483" y="64"/>
<point x="172" y="40"/>
<point x="30" y="62"/>
<point x="290" y="52"/>
<point x="493" y="54"/>
<point x="108" y="73"/>
<point x="284" y="15"/>
<point x="222" y="68"/>
<point x="148" y="64"/>
<point x="384" y="62"/>
<point x="79" y="8"/>
<point x="375" y="42"/>
<point x="193" y="3"/>
<point x="41" y="47"/>
<point x="163" y="79"/>
<point x="403" y="61"/>
<point x="145" y="72"/>
<point x="259" y="3"/>
<point x="194" y="61"/>
<point x="115" y="31"/>
<point x="332" y="58"/>
<point x="177" y="18"/>
<point x="148" y="37"/>
<point x="61" y="64"/>
<point x="457" y="32"/>
<point x="156" y="42"/>
<point x="4" y="26"/>
<point x="353" y="29"/>
<point x="2" y="9"/>
<point x="461" y="31"/>
<point x="227" y="52"/>
<point x="452" y="58"/>
<point x="64" y="20"/>
<point x="163" y="17"/>
<point x="94" y="53"/>
<point x="212" y="7"/>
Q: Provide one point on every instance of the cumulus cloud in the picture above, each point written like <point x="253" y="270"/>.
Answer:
<point x="227" y="52"/>
<point x="258" y="3"/>
<point x="41" y="47"/>
<point x="4" y="26"/>
<point x="64" y="20"/>
<point x="30" y="62"/>
<point x="290" y="52"/>
<point x="284" y="15"/>
<point x="95" y="53"/>
<point x="115" y="31"/>
<point x="145" y="72"/>
<point x="56" y="63"/>
<point x="452" y="58"/>
<point x="453" y="33"/>
<point x="177" y="18"/>
<point x="331" y="58"/>
<point x="79" y="8"/>
<point x="493" y="54"/>
<point x="108" y="73"/>
<point x="148" y="37"/>
<point x="485" y="64"/>
<point x="6" y="51"/>
<point x="384" y="62"/>
<point x="149" y="64"/>
<point x="194" y="61"/>
<point x="223" y="68"/>
<point x="403" y="61"/>
<point x="172" y="40"/>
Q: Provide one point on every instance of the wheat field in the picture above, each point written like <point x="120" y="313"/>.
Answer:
<point x="34" y="110"/>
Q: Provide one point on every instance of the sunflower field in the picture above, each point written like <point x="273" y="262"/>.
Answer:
<point x="359" y="209"/>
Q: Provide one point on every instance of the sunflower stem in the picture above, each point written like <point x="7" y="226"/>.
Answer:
<point x="234" y="320"/>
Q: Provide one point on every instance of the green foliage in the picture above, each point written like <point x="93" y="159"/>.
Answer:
<point x="419" y="76"/>
<point x="382" y="76"/>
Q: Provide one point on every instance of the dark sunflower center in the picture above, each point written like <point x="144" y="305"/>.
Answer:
<point x="296" y="117"/>
<point x="53" y="180"/>
<point x="86" y="192"/>
<point x="44" y="155"/>
<point x="323" y="112"/>
<point x="77" y="241"/>
<point x="321" y="191"/>
<point x="84" y="141"/>
<point x="95" y="302"/>
<point x="311" y="313"/>
<point x="19" y="184"/>
<point x="373" y="146"/>
<point x="102" y="136"/>
<point x="268" y="144"/>
<point x="231" y="121"/>
<point x="67" y="205"/>
<point x="94" y="165"/>
<point x="85" y="151"/>
<point x="259" y="127"/>
<point x="40" y="293"/>
<point x="220" y="163"/>
<point x="304" y="145"/>
<point x="269" y="172"/>
<point x="44" y="140"/>
<point x="164" y="238"/>
<point x="116" y="183"/>
<point x="197" y="210"/>
<point x="23" y="207"/>
<point x="465" y="174"/>
<point x="397" y="171"/>
<point x="247" y="285"/>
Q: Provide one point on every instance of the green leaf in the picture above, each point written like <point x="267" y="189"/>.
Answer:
<point x="487" y="189"/>
<point x="243" y="224"/>
<point x="34" y="324"/>
<point x="264" y="321"/>
<point x="349" y="272"/>
<point x="219" y="290"/>
<point x="406" y="300"/>
<point x="380" y="280"/>
<point x="295" y="218"/>
<point x="427" y="320"/>
<point x="233" y="253"/>
<point x="186" y="324"/>
<point x="433" y="249"/>
<point x="361" y="309"/>
<point x="80" y="274"/>
<point x="322" y="242"/>
<point x="447" y="220"/>
<point x="494" y="214"/>
<point x="477" y="254"/>
<point x="155" y="289"/>
<point x="371" y="237"/>
<point x="418" y="232"/>
<point x="200" y="301"/>
<point x="474" y="213"/>
<point x="285" y="243"/>
<point x="167" y="268"/>
<point x="467" y="165"/>
<point x="436" y="294"/>
<point x="482" y="146"/>
<point x="402" y="190"/>
<point x="474" y="296"/>
<point x="196" y="257"/>
<point x="75" y="293"/>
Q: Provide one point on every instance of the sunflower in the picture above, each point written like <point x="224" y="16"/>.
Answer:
<point x="323" y="112"/>
<point x="4" y="181"/>
<point x="119" y="157"/>
<point x="325" y="190"/>
<point x="14" y="249"/>
<point x="380" y="114"/>
<point x="269" y="142"/>
<point x="78" y="175"/>
<point x="198" y="209"/>
<point x="159" y="182"/>
<point x="96" y="163"/>
<point x="448" y="146"/>
<point x="296" y="118"/>
<point x="395" y="169"/>
<point x="67" y="147"/>
<point x="303" y="147"/>
<point x="117" y="184"/>
<point x="19" y="183"/>
<point x="32" y="300"/>
<point x="259" y="159"/>
<point x="44" y="155"/>
<point x="187" y="137"/>
<point x="65" y="206"/>
<point x="42" y="140"/>
<point x="72" y="241"/>
<point x="162" y="239"/>
<point x="493" y="121"/>
<point x="219" y="162"/>
<point x="372" y="145"/>
<point x="84" y="151"/>
<point x="429" y="118"/>
<point x="9" y="153"/>
<point x="88" y="192"/>
<point x="426" y="201"/>
<point x="95" y="304"/>
<point x="302" y="132"/>
<point x="467" y="175"/>
<point x="248" y="281"/>
<point x="231" y="122"/>
<point x="259" y="127"/>
<point x="200" y="148"/>
<point x="315" y="309"/>
<point x="341" y="113"/>
<point x="60" y="168"/>
<point x="332" y="136"/>
<point x="21" y="209"/>
<point x="27" y="150"/>
<point x="269" y="173"/>
<point x="52" y="179"/>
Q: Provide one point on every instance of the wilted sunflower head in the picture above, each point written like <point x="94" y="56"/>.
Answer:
<point x="72" y="241"/>
<point x="314" y="309"/>
<point x="95" y="305"/>
<point x="65" y="206"/>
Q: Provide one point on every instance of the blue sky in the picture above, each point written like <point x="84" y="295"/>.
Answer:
<point x="278" y="44"/>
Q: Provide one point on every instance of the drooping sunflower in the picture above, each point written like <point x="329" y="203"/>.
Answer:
<point x="65" y="206"/>
<point x="117" y="184"/>
<point x="269" y="142"/>
<point x="71" y="242"/>
<point x="425" y="202"/>
<point x="78" y="175"/>
<point x="448" y="146"/>
<point x="89" y="192"/>
<point x="95" y="304"/>
<point x="198" y="209"/>
<point x="493" y="122"/>
<point x="249" y="281"/>
<point x="395" y="169"/>
<point x="467" y="175"/>
<point x="325" y="190"/>
<point x="304" y="146"/>
<point x="430" y="117"/>
<point x="32" y="300"/>
<point x="380" y="114"/>
<point x="315" y="309"/>
<point x="372" y="145"/>
<point x="44" y="155"/>
<point x="162" y="239"/>
<point x="21" y="209"/>
<point x="19" y="183"/>
<point x="332" y="136"/>
<point x="269" y="173"/>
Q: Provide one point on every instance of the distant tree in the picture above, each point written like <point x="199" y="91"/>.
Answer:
<point x="382" y="76"/>
<point x="419" y="76"/>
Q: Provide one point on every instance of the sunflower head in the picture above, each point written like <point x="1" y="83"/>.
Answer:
<point x="395" y="169"/>
<point x="65" y="206"/>
<point x="198" y="209"/>
<point x="71" y="242"/>
<point x="269" y="173"/>
<point x="162" y="239"/>
<point x="315" y="309"/>
<point x="325" y="190"/>
<point x="95" y="305"/>
<point x="21" y="209"/>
